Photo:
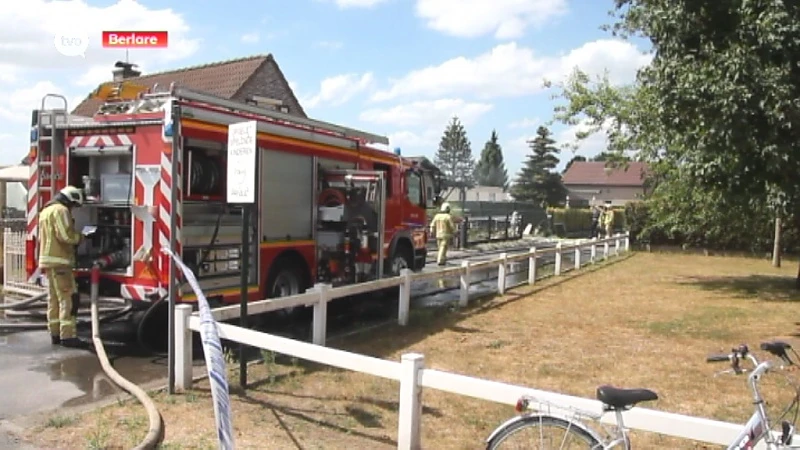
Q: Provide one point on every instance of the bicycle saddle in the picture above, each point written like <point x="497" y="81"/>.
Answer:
<point x="617" y="398"/>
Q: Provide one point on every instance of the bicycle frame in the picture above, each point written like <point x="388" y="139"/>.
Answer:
<point x="757" y="428"/>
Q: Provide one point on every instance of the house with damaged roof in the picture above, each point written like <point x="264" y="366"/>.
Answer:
<point x="254" y="79"/>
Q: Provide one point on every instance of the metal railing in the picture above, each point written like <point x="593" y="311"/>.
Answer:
<point x="15" y="276"/>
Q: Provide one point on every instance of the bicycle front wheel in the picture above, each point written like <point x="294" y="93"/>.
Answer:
<point x="542" y="433"/>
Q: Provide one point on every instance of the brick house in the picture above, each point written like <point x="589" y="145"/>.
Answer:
<point x="588" y="181"/>
<point x="251" y="79"/>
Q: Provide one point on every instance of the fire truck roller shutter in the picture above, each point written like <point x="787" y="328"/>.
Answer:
<point x="287" y="196"/>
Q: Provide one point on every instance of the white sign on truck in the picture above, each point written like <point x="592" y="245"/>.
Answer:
<point x="242" y="145"/>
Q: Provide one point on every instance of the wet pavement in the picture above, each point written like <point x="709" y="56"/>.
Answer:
<point x="38" y="377"/>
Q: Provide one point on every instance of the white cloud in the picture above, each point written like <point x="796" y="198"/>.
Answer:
<point x="506" y="19"/>
<point x="18" y="104"/>
<point x="511" y="70"/>
<point x="339" y="89"/>
<point x="589" y="147"/>
<point x="431" y="113"/>
<point x="251" y="38"/>
<point x="358" y="3"/>
<point x="525" y="123"/>
<point x="416" y="143"/>
<point x="27" y="30"/>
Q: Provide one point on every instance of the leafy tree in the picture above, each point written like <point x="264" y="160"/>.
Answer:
<point x="454" y="157"/>
<point x="717" y="106"/>
<point x="491" y="170"/>
<point x="537" y="181"/>
<point x="576" y="158"/>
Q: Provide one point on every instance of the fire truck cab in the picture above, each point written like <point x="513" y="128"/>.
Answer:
<point x="329" y="207"/>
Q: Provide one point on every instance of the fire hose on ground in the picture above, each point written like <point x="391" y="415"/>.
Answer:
<point x="33" y="308"/>
<point x="155" y="433"/>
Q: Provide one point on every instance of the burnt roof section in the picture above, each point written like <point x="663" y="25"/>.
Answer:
<point x="223" y="79"/>
<point x="596" y="173"/>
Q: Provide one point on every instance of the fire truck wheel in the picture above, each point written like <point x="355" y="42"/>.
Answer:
<point x="401" y="259"/>
<point x="284" y="282"/>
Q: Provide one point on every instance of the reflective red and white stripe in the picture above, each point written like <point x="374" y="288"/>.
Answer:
<point x="140" y="293"/>
<point x="108" y="140"/>
<point x="165" y="206"/>
<point x="33" y="199"/>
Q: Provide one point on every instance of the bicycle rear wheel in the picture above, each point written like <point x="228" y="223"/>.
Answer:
<point x="542" y="433"/>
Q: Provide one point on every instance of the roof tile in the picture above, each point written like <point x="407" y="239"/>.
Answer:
<point x="222" y="79"/>
<point x="595" y="173"/>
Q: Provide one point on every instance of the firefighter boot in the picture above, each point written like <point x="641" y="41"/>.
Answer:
<point x="55" y="340"/>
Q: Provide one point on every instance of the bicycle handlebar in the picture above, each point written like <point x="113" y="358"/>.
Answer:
<point x="776" y="348"/>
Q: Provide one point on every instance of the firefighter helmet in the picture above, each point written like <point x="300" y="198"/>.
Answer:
<point x="73" y="195"/>
<point x="446" y="207"/>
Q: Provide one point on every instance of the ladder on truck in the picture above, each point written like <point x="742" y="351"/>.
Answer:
<point x="48" y="147"/>
<point x="279" y="117"/>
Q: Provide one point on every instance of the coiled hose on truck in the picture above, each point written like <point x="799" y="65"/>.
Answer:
<point x="155" y="434"/>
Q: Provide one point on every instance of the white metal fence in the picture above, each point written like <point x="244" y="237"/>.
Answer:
<point x="15" y="277"/>
<point x="410" y="371"/>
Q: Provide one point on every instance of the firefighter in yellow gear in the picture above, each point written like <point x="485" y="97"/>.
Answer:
<point x="443" y="228"/>
<point x="57" y="241"/>
<point x="608" y="221"/>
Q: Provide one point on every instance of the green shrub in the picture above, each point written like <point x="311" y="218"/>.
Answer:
<point x="580" y="219"/>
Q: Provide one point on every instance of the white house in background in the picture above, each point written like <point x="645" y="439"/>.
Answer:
<point x="481" y="194"/>
<point x="16" y="180"/>
<point x="589" y="180"/>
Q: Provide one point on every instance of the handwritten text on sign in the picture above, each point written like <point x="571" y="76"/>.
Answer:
<point x="242" y="144"/>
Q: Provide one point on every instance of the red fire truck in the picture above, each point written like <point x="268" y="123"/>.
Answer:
<point x="329" y="207"/>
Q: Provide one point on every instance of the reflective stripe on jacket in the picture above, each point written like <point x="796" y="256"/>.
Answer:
<point x="442" y="226"/>
<point x="57" y="236"/>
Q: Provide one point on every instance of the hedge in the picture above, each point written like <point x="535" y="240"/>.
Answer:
<point x="580" y="219"/>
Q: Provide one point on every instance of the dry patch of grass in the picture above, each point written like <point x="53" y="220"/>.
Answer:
<point x="648" y="321"/>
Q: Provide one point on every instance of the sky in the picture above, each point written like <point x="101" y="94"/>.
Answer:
<point x="400" y="68"/>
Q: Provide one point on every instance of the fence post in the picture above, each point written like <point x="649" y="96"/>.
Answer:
<point x="501" y="274"/>
<point x="578" y="256"/>
<point x="593" y="254"/>
<point x="183" y="348"/>
<point x="410" y="411"/>
<point x="320" y="325"/>
<point x="627" y="241"/>
<point x="5" y="252"/>
<point x="532" y="267"/>
<point x="464" y="282"/>
<point x="405" y="297"/>
<point x="463" y="232"/>
<point x="605" y="249"/>
<point x="617" y="244"/>
<point x="557" y="270"/>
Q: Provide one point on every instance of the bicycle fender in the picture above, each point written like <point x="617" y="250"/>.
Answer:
<point x="520" y="418"/>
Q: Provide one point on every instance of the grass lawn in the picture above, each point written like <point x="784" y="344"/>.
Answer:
<point x="646" y="321"/>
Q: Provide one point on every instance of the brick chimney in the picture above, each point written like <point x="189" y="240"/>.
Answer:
<point x="124" y="71"/>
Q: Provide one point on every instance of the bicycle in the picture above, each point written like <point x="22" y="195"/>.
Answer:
<point x="574" y="426"/>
